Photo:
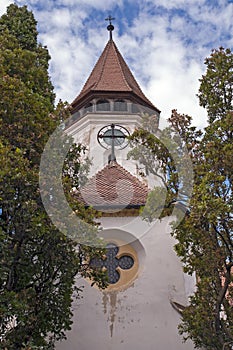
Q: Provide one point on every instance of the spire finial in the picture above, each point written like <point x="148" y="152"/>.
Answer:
<point x="110" y="27"/>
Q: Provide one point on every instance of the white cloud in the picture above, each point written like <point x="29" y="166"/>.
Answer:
<point x="175" y="4"/>
<point x="3" y="6"/>
<point x="162" y="58"/>
<point x="164" y="42"/>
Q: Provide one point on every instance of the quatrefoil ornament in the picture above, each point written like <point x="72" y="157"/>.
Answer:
<point x="111" y="262"/>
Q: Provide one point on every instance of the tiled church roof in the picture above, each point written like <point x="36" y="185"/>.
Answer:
<point x="114" y="186"/>
<point x="112" y="74"/>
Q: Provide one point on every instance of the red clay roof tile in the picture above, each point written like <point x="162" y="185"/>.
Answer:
<point x="111" y="74"/>
<point x="114" y="186"/>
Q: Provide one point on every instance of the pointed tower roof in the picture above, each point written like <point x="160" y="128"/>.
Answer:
<point x="110" y="76"/>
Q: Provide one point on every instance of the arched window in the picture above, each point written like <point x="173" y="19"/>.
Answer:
<point x="88" y="108"/>
<point x="120" y="105"/>
<point x="75" y="117"/>
<point x="135" y="108"/>
<point x="103" y="105"/>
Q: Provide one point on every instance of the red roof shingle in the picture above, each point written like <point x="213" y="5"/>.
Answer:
<point x="111" y="74"/>
<point x="114" y="186"/>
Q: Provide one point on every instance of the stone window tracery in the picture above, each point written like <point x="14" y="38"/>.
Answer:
<point x="111" y="263"/>
<point x="120" y="263"/>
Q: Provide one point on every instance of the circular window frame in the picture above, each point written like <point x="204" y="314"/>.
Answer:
<point x="128" y="276"/>
<point x="123" y="132"/>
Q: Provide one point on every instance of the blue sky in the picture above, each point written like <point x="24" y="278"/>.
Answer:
<point x="164" y="42"/>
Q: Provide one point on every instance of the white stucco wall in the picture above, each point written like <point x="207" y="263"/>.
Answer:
<point x="140" y="317"/>
<point x="85" y="131"/>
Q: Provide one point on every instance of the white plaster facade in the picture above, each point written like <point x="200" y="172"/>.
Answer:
<point x="86" y="129"/>
<point x="140" y="317"/>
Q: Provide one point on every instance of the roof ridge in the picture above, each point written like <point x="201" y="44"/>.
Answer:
<point x="93" y="70"/>
<point x="102" y="189"/>
<point x="115" y="164"/>
<point x="119" y="63"/>
<point x="106" y="50"/>
<point x="129" y="70"/>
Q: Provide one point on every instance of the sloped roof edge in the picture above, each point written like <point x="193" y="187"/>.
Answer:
<point x="111" y="74"/>
<point x="114" y="187"/>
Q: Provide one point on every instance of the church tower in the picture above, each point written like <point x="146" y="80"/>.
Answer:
<point x="145" y="276"/>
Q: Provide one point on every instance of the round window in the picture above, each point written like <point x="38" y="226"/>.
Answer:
<point x="113" y="134"/>
<point x="120" y="263"/>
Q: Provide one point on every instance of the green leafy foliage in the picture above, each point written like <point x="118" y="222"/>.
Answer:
<point x="215" y="93"/>
<point x="164" y="154"/>
<point x="205" y="235"/>
<point x="38" y="263"/>
<point x="22" y="25"/>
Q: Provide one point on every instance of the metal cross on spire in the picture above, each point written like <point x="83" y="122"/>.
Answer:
<point x="110" y="27"/>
